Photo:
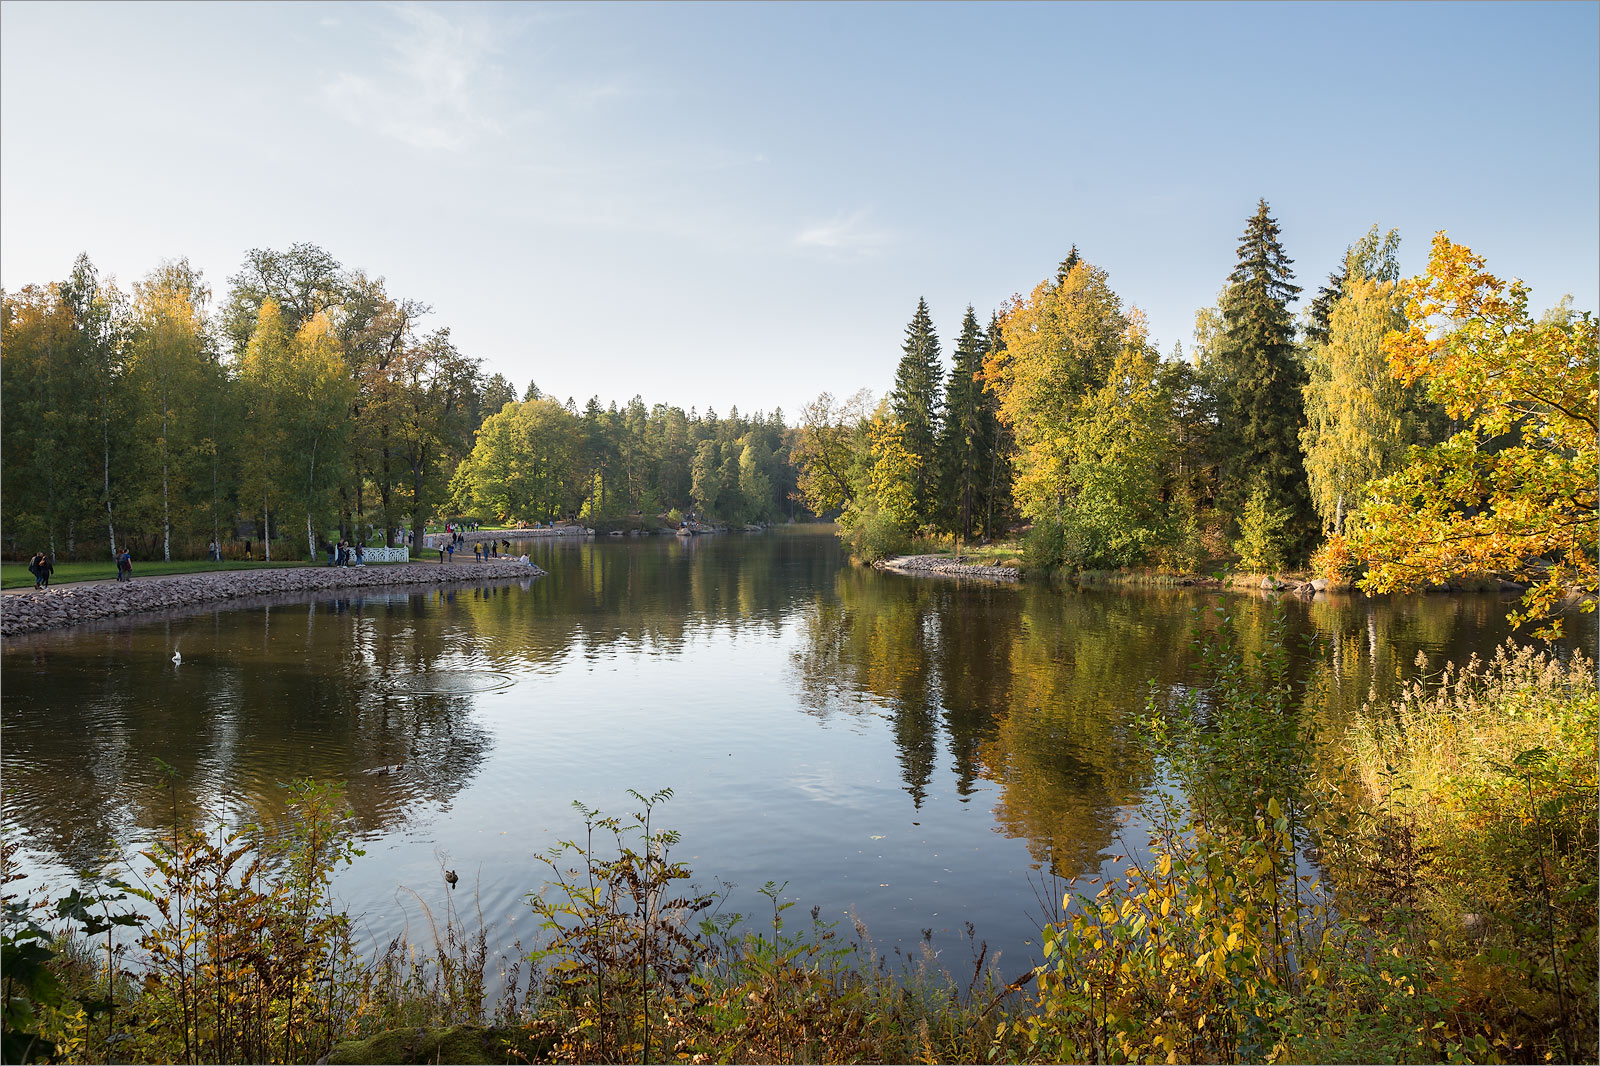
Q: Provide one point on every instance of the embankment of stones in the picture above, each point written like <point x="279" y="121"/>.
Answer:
<point x="943" y="565"/>
<point x="70" y="605"/>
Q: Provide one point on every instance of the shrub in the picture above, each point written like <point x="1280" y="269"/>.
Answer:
<point x="1334" y="561"/>
<point x="1262" y="543"/>
<point x="872" y="534"/>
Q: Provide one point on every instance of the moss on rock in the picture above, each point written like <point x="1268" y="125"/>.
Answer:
<point x="457" y="1044"/>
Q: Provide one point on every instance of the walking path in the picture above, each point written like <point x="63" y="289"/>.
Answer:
<point x="29" y="610"/>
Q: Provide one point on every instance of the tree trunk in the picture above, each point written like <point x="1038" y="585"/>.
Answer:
<point x="266" y="530"/>
<point x="311" y="481"/>
<point x="111" y="526"/>
<point x="166" y="503"/>
<point x="385" y="494"/>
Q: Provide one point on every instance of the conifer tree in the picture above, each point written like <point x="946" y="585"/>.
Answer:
<point x="915" y="402"/>
<point x="998" y="469"/>
<point x="1261" y="381"/>
<point x="967" y="438"/>
<point x="1072" y="260"/>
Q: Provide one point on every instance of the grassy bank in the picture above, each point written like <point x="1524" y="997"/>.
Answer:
<point x="15" y="575"/>
<point x="1418" y="888"/>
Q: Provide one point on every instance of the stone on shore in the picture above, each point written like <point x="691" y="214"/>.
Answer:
<point x="69" y="605"/>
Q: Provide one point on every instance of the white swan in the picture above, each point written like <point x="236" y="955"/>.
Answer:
<point x="177" y="657"/>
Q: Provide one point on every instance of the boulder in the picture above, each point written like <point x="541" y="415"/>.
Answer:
<point x="459" y="1043"/>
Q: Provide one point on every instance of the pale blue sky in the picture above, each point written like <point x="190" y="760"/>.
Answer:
<point x="741" y="204"/>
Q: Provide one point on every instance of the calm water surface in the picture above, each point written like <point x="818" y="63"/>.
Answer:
<point x="917" y="751"/>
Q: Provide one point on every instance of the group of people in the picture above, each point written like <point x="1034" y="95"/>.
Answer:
<point x="491" y="549"/>
<point x="346" y="554"/>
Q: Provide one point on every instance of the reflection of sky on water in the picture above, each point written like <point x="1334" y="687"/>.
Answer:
<point x="910" y="751"/>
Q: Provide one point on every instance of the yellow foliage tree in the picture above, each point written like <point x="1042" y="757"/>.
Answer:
<point x="1059" y="344"/>
<point x="1514" y="493"/>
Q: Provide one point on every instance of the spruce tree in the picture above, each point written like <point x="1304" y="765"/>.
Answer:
<point x="1072" y="260"/>
<point x="915" y="402"/>
<point x="966" y="436"/>
<point x="1262" y="407"/>
<point x="996" y="502"/>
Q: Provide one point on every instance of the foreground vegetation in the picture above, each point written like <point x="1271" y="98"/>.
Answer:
<point x="1454" y="919"/>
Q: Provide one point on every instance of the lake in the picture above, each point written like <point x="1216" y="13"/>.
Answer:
<point x="918" y="752"/>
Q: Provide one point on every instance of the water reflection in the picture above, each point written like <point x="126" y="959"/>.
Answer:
<point x="907" y="748"/>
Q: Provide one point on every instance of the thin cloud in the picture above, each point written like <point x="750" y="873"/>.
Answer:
<point x="436" y="81"/>
<point x="844" y="235"/>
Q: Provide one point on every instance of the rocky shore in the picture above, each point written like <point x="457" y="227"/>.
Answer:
<point x="940" y="564"/>
<point x="70" y="605"/>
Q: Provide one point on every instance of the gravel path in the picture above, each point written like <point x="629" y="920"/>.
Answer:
<point x="941" y="564"/>
<point x="68" y="605"/>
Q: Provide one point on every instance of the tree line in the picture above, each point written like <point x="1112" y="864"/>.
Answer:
<point x="1277" y="440"/>
<point x="311" y="405"/>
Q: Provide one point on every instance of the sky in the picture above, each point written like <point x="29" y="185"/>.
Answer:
<point x="731" y="204"/>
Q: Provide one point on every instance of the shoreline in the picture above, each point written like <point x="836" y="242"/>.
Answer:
<point x="65" y="606"/>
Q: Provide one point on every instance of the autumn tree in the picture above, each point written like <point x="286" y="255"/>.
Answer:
<point x="303" y="281"/>
<point x="1514" y="492"/>
<point x="48" y="452"/>
<point x="1359" y="418"/>
<point x="1058" y="345"/>
<point x="171" y="368"/>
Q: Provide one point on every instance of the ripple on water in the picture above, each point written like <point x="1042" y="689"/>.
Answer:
<point x="446" y="683"/>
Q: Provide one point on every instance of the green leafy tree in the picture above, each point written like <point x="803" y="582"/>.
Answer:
<point x="707" y="478"/>
<point x="1121" y="445"/>
<point x="830" y="437"/>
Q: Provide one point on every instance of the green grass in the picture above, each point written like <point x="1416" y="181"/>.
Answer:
<point x="15" y="575"/>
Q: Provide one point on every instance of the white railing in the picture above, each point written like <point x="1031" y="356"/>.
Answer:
<point x="401" y="554"/>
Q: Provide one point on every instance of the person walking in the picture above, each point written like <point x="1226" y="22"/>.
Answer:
<point x="36" y="568"/>
<point x="361" y="554"/>
<point x="46" y="568"/>
<point x="125" y="565"/>
<point x="451" y="548"/>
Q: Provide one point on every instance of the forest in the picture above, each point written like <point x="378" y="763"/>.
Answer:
<point x="311" y="405"/>
<point x="1409" y="432"/>
<point x="1405" y="431"/>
